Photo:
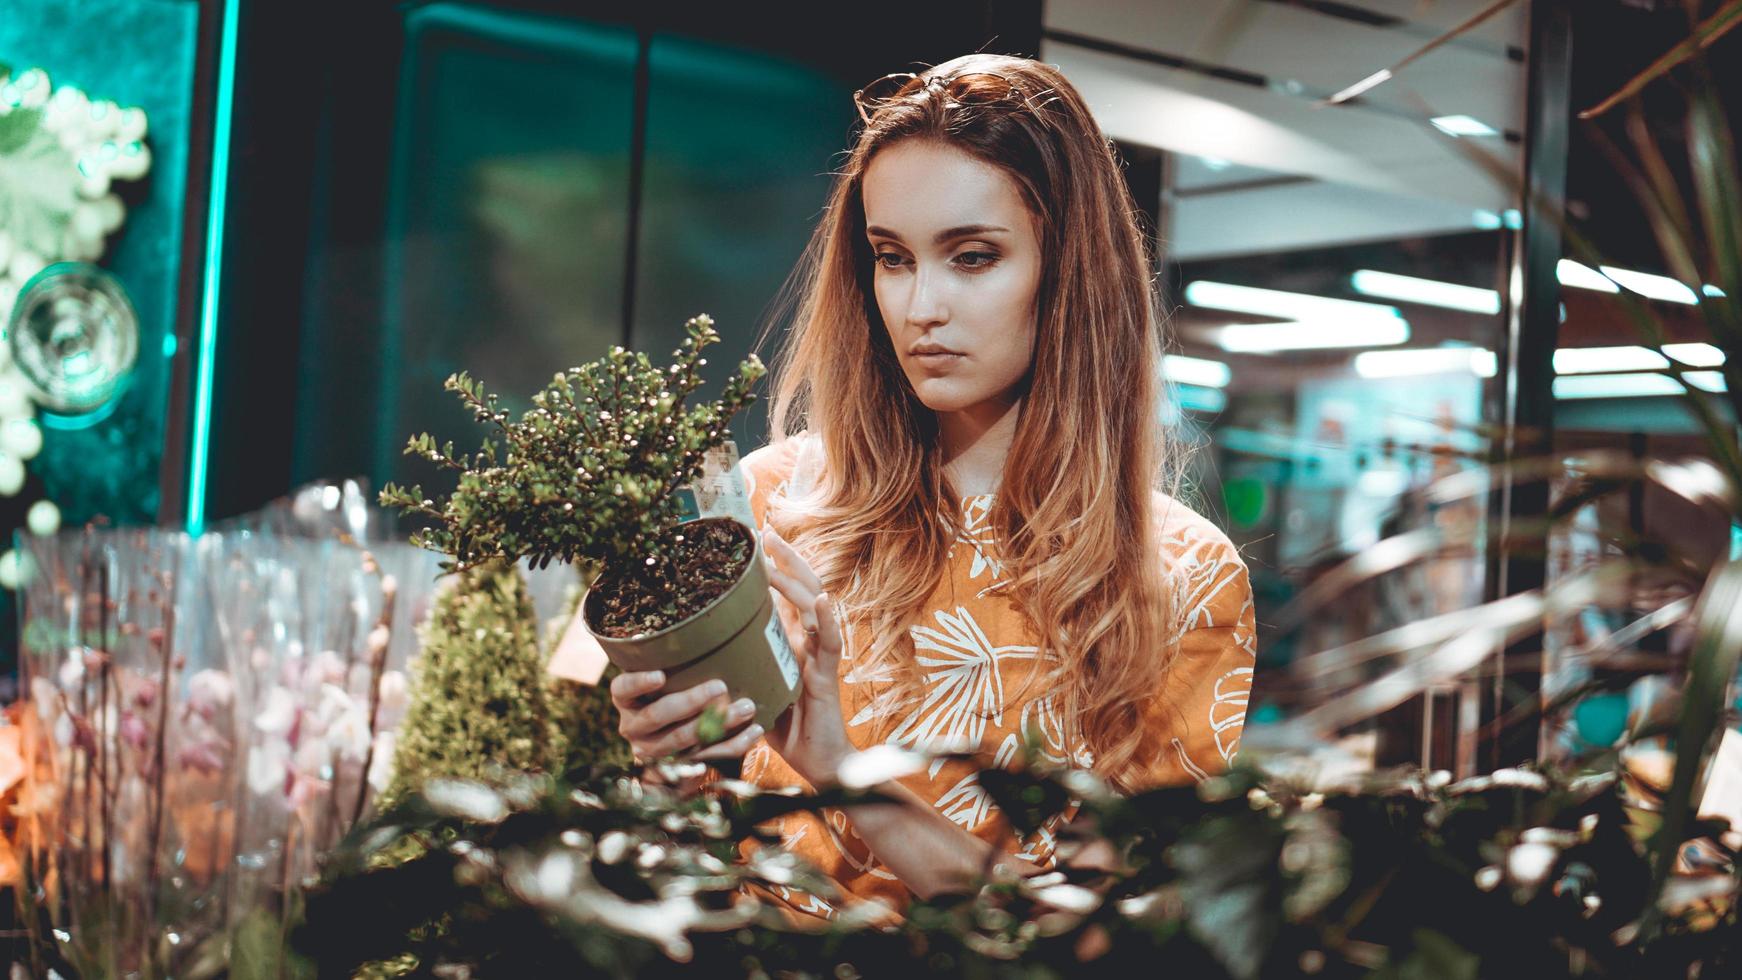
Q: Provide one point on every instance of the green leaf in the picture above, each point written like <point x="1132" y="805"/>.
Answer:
<point x="259" y="949"/>
<point x="1717" y="652"/>
<point x="612" y="461"/>
<point x="1436" y="956"/>
<point x="1725" y="19"/>
<point x="1718" y="196"/>
<point x="17" y="127"/>
<point x="1027" y="799"/>
<point x="711" y="727"/>
<point x="1654" y="186"/>
<point x="1373" y="79"/>
<point x="1232" y="886"/>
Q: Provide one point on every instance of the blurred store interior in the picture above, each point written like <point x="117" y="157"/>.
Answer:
<point x="350" y="201"/>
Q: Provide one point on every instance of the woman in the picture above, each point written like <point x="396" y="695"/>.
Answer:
<point x="968" y="539"/>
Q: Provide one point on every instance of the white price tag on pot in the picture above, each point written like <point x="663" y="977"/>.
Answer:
<point x="719" y="490"/>
<point x="782" y="652"/>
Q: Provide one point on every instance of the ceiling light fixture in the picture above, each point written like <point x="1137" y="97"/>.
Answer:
<point x="1598" y="360"/>
<point x="1268" y="338"/>
<point x="1430" y="292"/>
<point x="1633" y="385"/>
<point x="1461" y="125"/>
<point x="1653" y="286"/>
<point x="1184" y="370"/>
<point x="1582" y="276"/>
<point x="1428" y="360"/>
<point x="1282" y="304"/>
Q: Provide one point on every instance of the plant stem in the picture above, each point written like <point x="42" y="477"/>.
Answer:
<point x="377" y="665"/>
<point x="349" y="645"/>
<point x="158" y="777"/>
<point x="286" y="887"/>
<point x="102" y="736"/>
<point x="82" y="773"/>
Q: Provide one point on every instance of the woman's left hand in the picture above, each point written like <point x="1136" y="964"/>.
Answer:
<point x="812" y="737"/>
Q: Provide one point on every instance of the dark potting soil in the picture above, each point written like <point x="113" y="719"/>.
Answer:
<point x="696" y="571"/>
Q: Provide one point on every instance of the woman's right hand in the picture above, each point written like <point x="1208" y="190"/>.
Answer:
<point x="658" y="725"/>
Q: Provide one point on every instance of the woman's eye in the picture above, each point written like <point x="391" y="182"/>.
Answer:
<point x="968" y="260"/>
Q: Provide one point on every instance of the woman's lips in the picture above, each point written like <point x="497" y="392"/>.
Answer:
<point x="937" y="360"/>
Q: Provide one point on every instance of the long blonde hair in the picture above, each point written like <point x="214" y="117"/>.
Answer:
<point x="1073" y="519"/>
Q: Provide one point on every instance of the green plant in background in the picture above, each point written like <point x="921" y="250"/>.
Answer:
<point x="585" y="711"/>
<point x="1692" y="197"/>
<point x="589" y="474"/>
<point x="483" y="705"/>
<point x="480" y="697"/>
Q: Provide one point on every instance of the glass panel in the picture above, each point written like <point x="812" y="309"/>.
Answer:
<point x="738" y="150"/>
<point x="508" y="218"/>
<point x="107" y="461"/>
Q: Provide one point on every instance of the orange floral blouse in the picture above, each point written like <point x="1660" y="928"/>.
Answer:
<point x="976" y="651"/>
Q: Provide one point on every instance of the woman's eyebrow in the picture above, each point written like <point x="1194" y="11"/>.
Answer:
<point x="948" y="234"/>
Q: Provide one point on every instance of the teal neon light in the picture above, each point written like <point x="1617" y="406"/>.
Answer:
<point x="199" y="448"/>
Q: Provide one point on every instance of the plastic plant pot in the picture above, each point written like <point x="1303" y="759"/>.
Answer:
<point x="737" y="638"/>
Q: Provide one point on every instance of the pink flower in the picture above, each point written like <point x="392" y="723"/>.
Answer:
<point x="72" y="672"/>
<point x="328" y="668"/>
<point x="395" y="697"/>
<point x="268" y="767"/>
<point x="345" y="723"/>
<point x="278" y="714"/>
<point x="358" y="682"/>
<point x="202" y="756"/>
<point x="146" y="695"/>
<point x="133" y="730"/>
<point x="381" y="762"/>
<point x="209" y="692"/>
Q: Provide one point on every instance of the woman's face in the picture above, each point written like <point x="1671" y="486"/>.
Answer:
<point x="957" y="267"/>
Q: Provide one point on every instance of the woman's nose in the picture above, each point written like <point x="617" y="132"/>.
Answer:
<point x="926" y="303"/>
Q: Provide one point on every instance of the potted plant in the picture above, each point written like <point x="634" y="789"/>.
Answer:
<point x="591" y="475"/>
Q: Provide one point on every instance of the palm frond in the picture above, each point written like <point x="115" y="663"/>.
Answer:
<point x="1725" y="19"/>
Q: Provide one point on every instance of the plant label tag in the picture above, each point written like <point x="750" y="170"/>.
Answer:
<point x="578" y="656"/>
<point x="782" y="652"/>
<point x="719" y="490"/>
